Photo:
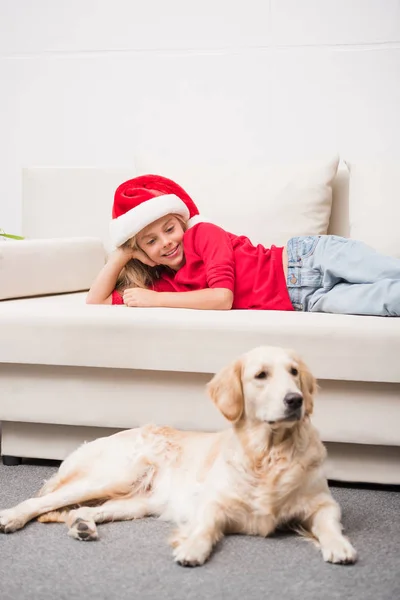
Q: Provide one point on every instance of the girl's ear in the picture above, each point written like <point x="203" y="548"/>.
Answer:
<point x="308" y="385"/>
<point x="225" y="390"/>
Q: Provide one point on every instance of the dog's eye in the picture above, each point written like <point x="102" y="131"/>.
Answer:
<point x="262" y="375"/>
<point x="294" y="371"/>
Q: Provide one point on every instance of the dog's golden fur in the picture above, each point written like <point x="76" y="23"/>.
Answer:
<point x="262" y="472"/>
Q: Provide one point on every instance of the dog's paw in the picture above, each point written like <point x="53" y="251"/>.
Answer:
<point x="192" y="552"/>
<point x="84" y="531"/>
<point x="339" y="551"/>
<point x="10" y="521"/>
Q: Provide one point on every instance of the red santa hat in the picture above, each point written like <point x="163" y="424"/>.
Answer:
<point x="142" y="200"/>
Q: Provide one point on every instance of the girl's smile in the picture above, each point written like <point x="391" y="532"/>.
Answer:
<point x="172" y="252"/>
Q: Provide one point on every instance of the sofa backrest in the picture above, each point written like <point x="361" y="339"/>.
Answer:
<point x="65" y="202"/>
<point x="69" y="202"/>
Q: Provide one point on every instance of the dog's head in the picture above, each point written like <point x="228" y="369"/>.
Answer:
<point x="268" y="384"/>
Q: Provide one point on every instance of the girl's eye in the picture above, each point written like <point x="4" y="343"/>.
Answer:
<point x="170" y="229"/>
<point x="150" y="242"/>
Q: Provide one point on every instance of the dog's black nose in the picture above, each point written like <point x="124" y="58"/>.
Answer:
<point x="293" y="401"/>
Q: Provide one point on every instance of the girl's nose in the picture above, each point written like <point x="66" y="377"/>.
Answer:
<point x="165" y="241"/>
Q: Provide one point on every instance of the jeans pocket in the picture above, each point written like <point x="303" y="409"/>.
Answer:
<point x="307" y="246"/>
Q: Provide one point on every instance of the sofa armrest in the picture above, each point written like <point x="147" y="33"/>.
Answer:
<point x="49" y="266"/>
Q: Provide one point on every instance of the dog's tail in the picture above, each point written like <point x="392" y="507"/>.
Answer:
<point x="54" y="516"/>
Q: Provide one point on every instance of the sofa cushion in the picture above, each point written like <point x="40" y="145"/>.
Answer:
<point x="269" y="203"/>
<point x="375" y="205"/>
<point x="49" y="266"/>
<point x="63" y="330"/>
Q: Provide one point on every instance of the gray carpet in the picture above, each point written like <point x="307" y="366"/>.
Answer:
<point x="132" y="559"/>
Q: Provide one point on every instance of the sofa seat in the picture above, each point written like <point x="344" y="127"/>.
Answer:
<point x="63" y="330"/>
<point x="71" y="355"/>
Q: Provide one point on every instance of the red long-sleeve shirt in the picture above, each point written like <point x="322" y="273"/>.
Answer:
<point x="215" y="258"/>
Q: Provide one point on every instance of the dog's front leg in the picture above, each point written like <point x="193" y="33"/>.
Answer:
<point x="326" y="527"/>
<point x="193" y="542"/>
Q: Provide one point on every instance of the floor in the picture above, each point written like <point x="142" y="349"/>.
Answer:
<point x="133" y="560"/>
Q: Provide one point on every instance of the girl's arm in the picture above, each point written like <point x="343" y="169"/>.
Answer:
<point x="214" y="246"/>
<point x="104" y="284"/>
<point x="208" y="299"/>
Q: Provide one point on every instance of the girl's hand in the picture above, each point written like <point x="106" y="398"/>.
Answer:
<point x="140" y="297"/>
<point x="126" y="254"/>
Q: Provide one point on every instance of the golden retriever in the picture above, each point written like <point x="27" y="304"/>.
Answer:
<point x="262" y="472"/>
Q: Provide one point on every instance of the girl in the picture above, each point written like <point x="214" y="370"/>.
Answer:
<point x="166" y="257"/>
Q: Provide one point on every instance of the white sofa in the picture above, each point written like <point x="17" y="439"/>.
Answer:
<point x="72" y="372"/>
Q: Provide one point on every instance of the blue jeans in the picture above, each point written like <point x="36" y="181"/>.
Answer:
<point x="331" y="274"/>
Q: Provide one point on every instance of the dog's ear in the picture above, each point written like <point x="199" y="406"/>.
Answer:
<point x="225" y="390"/>
<point x="308" y="385"/>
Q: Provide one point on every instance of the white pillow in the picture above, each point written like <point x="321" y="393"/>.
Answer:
<point x="269" y="203"/>
<point x="49" y="266"/>
<point x="374" y="194"/>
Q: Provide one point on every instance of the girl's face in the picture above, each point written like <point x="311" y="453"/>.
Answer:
<point x="162" y="242"/>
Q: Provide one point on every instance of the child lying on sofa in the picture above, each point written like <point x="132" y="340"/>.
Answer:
<point x="166" y="257"/>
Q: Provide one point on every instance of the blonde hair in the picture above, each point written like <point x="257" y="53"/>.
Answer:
<point x="137" y="274"/>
